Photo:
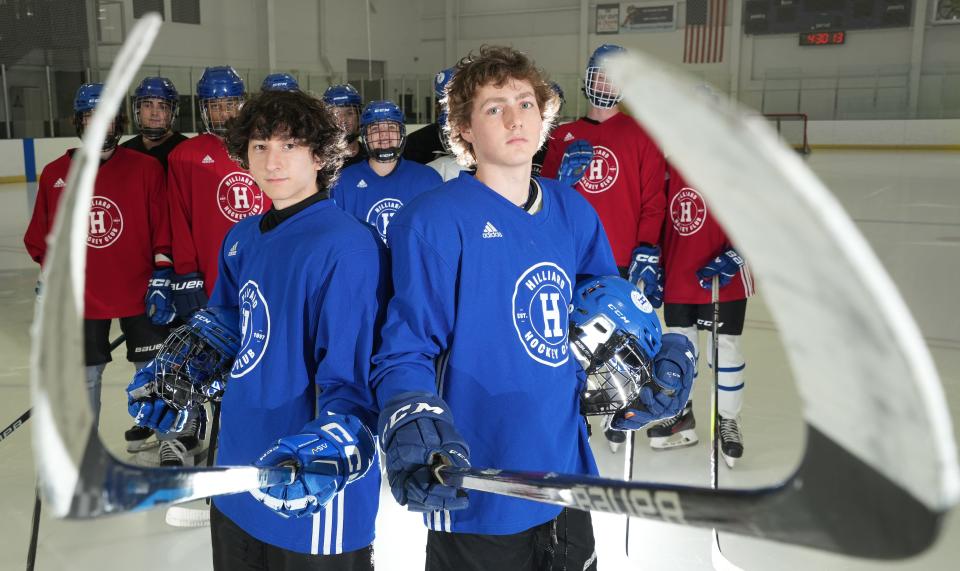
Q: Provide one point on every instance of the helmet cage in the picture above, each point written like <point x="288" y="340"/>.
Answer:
<point x="155" y="133"/>
<point x="218" y="127"/>
<point x="190" y="370"/>
<point x="383" y="154"/>
<point x="616" y="366"/>
<point x="600" y="90"/>
<point x="114" y="134"/>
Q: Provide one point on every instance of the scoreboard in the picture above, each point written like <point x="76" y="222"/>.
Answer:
<point x="818" y="16"/>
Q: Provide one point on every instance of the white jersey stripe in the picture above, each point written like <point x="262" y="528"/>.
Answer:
<point x="315" y="534"/>
<point x="340" y="521"/>
<point x="449" y="522"/>
<point x="328" y="526"/>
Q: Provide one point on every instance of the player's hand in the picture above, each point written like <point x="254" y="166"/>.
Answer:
<point x="725" y="266"/>
<point x="575" y="161"/>
<point x="673" y="374"/>
<point x="188" y="293"/>
<point x="148" y="409"/>
<point x="159" y="298"/>
<point x="416" y="429"/>
<point x="330" y="452"/>
<point x="646" y="273"/>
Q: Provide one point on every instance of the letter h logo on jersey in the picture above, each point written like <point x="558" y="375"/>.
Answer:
<point x="241" y="197"/>
<point x="541" y="299"/>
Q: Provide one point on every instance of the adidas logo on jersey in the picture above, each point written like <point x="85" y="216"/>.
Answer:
<point x="59" y="183"/>
<point x="362" y="184"/>
<point x="207" y="160"/>
<point x="233" y="249"/>
<point x="568" y="137"/>
<point x="490" y="231"/>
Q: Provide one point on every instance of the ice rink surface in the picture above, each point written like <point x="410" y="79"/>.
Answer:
<point x="907" y="204"/>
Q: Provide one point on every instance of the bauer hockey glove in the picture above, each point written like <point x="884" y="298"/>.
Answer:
<point x="149" y="410"/>
<point x="725" y="266"/>
<point x="159" y="298"/>
<point x="417" y="431"/>
<point x="188" y="293"/>
<point x="673" y="373"/>
<point x="330" y="452"/>
<point x="646" y="273"/>
<point x="574" y="163"/>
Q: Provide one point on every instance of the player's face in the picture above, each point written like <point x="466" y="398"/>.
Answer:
<point x="284" y="169"/>
<point x="347" y="117"/>
<point x="505" y="124"/>
<point x="155" y="113"/>
<point x="383" y="135"/>
<point x="222" y="110"/>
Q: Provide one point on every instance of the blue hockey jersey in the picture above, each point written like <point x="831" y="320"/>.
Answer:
<point x="480" y="316"/>
<point x="309" y="294"/>
<point x="375" y="199"/>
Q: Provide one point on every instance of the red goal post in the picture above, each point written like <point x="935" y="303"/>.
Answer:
<point x="792" y="128"/>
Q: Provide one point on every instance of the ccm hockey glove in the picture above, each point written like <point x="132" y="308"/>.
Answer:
<point x="329" y="453"/>
<point x="149" y="410"/>
<point x="575" y="161"/>
<point x="673" y="374"/>
<point x="726" y="265"/>
<point x="646" y="273"/>
<point x="416" y="431"/>
<point x="159" y="298"/>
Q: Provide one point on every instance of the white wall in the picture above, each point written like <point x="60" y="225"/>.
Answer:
<point x="11" y="158"/>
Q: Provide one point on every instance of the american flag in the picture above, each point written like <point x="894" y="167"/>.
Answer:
<point x="703" y="34"/>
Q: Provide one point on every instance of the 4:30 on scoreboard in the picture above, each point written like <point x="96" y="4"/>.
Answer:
<point x="823" y="38"/>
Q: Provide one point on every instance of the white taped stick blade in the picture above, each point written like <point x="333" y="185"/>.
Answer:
<point x="859" y="336"/>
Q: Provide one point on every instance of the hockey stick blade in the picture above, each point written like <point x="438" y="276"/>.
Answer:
<point x="811" y="508"/>
<point x="844" y="326"/>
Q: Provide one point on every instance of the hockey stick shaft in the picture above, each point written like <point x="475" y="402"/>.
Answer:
<point x="34" y="532"/>
<point x="715" y="402"/>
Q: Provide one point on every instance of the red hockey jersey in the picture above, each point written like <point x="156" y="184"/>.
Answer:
<point x="691" y="238"/>
<point x="209" y="193"/>
<point x="129" y="227"/>
<point x="624" y="182"/>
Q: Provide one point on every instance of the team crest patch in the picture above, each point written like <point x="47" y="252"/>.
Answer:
<point x="688" y="211"/>
<point x="238" y="196"/>
<point x="641" y="302"/>
<point x="602" y="172"/>
<point x="106" y="223"/>
<point x="380" y="214"/>
<point x="254" y="329"/>
<point x="541" y="299"/>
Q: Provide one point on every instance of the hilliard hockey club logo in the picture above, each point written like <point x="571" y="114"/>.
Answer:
<point x="238" y="196"/>
<point x="540" y="313"/>
<point x="603" y="171"/>
<point x="641" y="302"/>
<point x="254" y="329"/>
<point x="380" y="214"/>
<point x="106" y="223"/>
<point x="688" y="211"/>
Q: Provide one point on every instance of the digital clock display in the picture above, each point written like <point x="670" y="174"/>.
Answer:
<point x="822" y="38"/>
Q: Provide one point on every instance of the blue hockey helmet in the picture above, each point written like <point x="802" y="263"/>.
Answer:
<point x="342" y="95"/>
<point x="600" y="91"/>
<point x="386" y="144"/>
<point x="614" y="335"/>
<point x="441" y="80"/>
<point x="84" y="102"/>
<point x="279" y="82"/>
<point x="221" y="94"/>
<point x="194" y="362"/>
<point x="155" y="127"/>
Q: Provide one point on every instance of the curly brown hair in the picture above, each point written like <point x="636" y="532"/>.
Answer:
<point x="294" y="114"/>
<point x="493" y="65"/>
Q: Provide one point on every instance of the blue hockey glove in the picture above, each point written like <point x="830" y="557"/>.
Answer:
<point x="331" y="452"/>
<point x="149" y="410"/>
<point x="416" y="431"/>
<point x="726" y="265"/>
<point x="673" y="373"/>
<point x="646" y="273"/>
<point x="575" y="161"/>
<point x="159" y="298"/>
<point x="188" y="293"/>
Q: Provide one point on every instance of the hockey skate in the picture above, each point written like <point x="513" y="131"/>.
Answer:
<point x="731" y="441"/>
<point x="615" y="438"/>
<point x="676" y="432"/>
<point x="183" y="451"/>
<point x="138" y="439"/>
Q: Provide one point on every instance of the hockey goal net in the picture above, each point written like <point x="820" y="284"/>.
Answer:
<point x="792" y="128"/>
